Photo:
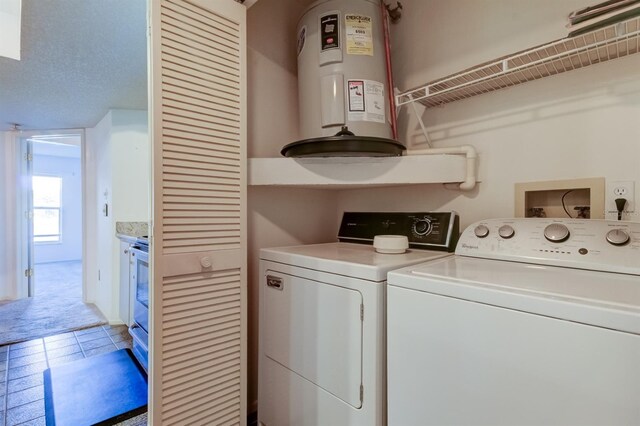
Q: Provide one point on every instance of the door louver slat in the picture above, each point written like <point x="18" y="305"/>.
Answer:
<point x="185" y="155"/>
<point x="198" y="183"/>
<point x="223" y="129"/>
<point x="221" y="388"/>
<point x="201" y="100"/>
<point x="212" y="20"/>
<point x="206" y="81"/>
<point x="224" y="382"/>
<point x="219" y="344"/>
<point x="177" y="104"/>
<point x="224" y="123"/>
<point x="205" y="42"/>
<point x="223" y="139"/>
<point x="175" y="84"/>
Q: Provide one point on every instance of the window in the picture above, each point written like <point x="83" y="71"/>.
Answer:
<point x="47" y="200"/>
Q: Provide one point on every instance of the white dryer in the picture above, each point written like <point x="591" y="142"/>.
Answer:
<point x="533" y="322"/>
<point x="322" y="319"/>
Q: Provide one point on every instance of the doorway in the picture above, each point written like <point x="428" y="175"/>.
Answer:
<point x="56" y="226"/>
<point x="52" y="199"/>
<point x="50" y="244"/>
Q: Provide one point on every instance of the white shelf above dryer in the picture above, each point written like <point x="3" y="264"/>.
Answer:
<point x="356" y="172"/>
<point x="604" y="44"/>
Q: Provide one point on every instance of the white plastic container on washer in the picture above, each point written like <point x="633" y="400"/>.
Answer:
<point x="341" y="70"/>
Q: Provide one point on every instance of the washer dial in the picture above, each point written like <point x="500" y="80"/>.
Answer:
<point x="556" y="233"/>
<point x="506" y="231"/>
<point x="481" y="231"/>
<point x="618" y="237"/>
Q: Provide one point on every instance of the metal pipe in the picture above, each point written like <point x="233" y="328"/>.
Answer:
<point x="387" y="51"/>
<point x="467" y="150"/>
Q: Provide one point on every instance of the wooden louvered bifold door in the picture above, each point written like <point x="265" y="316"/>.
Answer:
<point x="198" y="336"/>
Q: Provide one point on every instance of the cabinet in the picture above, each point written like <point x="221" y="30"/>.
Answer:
<point x="127" y="295"/>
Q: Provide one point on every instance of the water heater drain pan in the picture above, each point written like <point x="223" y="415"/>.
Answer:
<point x="344" y="146"/>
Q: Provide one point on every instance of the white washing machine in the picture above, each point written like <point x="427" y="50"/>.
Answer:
<point x="322" y="319"/>
<point x="533" y="322"/>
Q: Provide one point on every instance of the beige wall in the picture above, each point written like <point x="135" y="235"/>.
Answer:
<point x="580" y="124"/>
<point x="276" y="216"/>
<point x="119" y="156"/>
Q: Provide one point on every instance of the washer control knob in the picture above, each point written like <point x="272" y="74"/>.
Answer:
<point x="422" y="227"/>
<point x="618" y="237"/>
<point x="556" y="233"/>
<point x="506" y="231"/>
<point x="481" y="231"/>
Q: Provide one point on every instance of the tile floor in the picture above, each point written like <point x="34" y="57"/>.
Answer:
<point x="22" y="364"/>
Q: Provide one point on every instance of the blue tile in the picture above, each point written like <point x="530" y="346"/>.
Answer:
<point x="25" y="382"/>
<point x="57" y="344"/>
<point x="25" y="396"/>
<point x="27" y="344"/>
<point x="66" y="359"/>
<point x="17" y="353"/>
<point x="96" y="343"/>
<point x="64" y="351"/>
<point x="26" y="370"/>
<point x="24" y="413"/>
<point x="57" y="337"/>
<point x="88" y="330"/>
<point x="100" y="350"/>
<point x="27" y="359"/>
<point x="40" y="421"/>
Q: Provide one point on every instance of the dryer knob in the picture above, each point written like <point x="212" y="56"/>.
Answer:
<point x="481" y="231"/>
<point x="422" y="227"/>
<point x="506" y="231"/>
<point x="556" y="233"/>
<point x="618" y="237"/>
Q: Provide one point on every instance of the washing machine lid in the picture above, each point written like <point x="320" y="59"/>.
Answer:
<point x="349" y="259"/>
<point x="604" y="299"/>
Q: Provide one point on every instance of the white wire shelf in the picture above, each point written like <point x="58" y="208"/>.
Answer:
<point x="601" y="45"/>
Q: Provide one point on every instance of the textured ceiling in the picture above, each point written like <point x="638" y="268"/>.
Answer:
<point x="79" y="59"/>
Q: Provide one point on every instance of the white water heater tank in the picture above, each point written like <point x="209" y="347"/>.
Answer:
<point x="342" y="76"/>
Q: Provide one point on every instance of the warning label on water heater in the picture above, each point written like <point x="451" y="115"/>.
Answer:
<point x="358" y="34"/>
<point x="366" y="101"/>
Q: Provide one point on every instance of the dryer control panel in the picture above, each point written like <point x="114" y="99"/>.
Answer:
<point x="600" y="245"/>
<point x="425" y="230"/>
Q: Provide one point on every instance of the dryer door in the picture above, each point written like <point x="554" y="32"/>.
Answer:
<point x="315" y="330"/>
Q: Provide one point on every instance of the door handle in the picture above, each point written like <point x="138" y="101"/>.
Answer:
<point x="275" y="282"/>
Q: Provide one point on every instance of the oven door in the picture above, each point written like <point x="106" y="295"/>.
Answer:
<point x="140" y="278"/>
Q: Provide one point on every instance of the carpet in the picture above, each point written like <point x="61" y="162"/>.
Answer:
<point x="56" y="308"/>
<point x="36" y="317"/>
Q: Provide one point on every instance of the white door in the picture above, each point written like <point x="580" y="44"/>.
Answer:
<point x="25" y="193"/>
<point x="198" y="295"/>
<point x="315" y="330"/>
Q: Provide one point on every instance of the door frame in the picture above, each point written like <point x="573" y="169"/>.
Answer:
<point x="18" y="287"/>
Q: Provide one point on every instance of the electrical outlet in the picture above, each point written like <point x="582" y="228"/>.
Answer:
<point x="620" y="189"/>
